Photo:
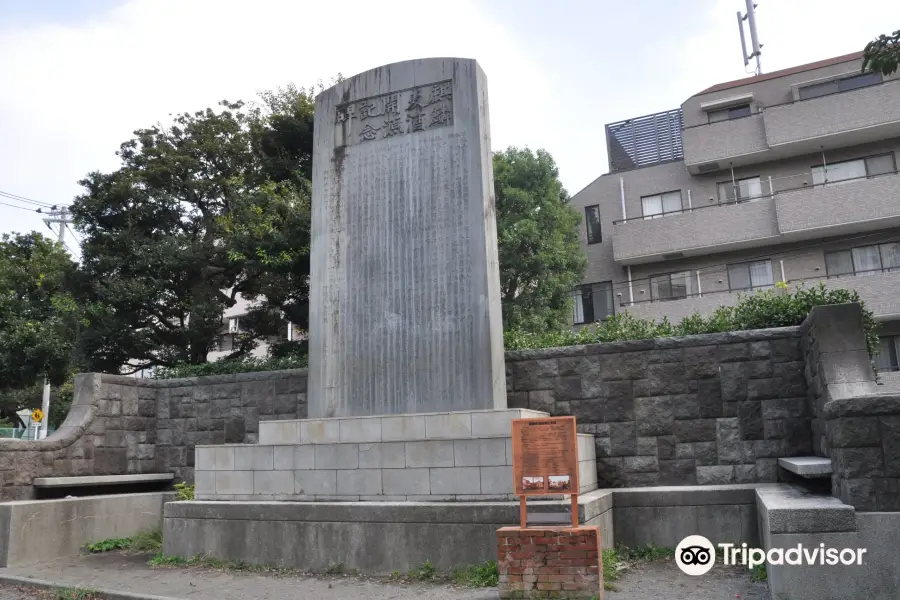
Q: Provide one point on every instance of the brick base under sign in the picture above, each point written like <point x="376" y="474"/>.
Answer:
<point x="550" y="562"/>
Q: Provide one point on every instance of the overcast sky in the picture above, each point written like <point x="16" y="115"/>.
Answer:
<point x="78" y="76"/>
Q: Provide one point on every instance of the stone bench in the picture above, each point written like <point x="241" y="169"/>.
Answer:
<point x="100" y="480"/>
<point x="810" y="467"/>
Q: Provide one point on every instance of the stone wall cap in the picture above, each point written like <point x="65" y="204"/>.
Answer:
<point x="863" y="406"/>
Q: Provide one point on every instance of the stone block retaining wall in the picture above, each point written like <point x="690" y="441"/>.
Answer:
<point x="708" y="409"/>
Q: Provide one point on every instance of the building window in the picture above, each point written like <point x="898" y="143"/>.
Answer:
<point x="671" y="286"/>
<point x="848" y="170"/>
<point x="727" y="114"/>
<point x="592" y="219"/>
<point x="234" y="325"/>
<point x="864" y="260"/>
<point x="839" y="85"/>
<point x="755" y="275"/>
<point x="888" y="358"/>
<point x="740" y="190"/>
<point x="661" y="204"/>
<point x="593" y="302"/>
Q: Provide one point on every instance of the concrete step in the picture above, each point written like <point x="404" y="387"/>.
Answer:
<point x="395" y="428"/>
<point x="423" y="470"/>
<point x="810" y="467"/>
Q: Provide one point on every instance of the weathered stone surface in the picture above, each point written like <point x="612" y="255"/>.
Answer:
<point x="716" y="475"/>
<point x="665" y="447"/>
<point x="728" y="441"/>
<point x="697" y="430"/>
<point x="890" y="432"/>
<point x="646" y="446"/>
<point x="654" y="416"/>
<point x="750" y="419"/>
<point x="858" y="463"/>
<point x="623" y="439"/>
<point x="677" y="472"/>
<point x="640" y="464"/>
<point x="852" y="432"/>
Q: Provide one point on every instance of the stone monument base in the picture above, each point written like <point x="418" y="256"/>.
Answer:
<point x="431" y="457"/>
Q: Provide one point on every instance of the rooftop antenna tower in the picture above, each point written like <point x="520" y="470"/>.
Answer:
<point x="755" y="46"/>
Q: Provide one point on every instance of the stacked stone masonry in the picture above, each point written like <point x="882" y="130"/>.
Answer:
<point x="460" y="456"/>
<point x="697" y="410"/>
<point x="864" y="438"/>
<point x="550" y="562"/>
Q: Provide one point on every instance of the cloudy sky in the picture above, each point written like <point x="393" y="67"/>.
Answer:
<point x="77" y="76"/>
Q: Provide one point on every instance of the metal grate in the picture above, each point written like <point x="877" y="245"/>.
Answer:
<point x="645" y="140"/>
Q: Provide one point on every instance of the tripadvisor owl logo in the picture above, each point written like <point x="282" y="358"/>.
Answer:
<point x="695" y="555"/>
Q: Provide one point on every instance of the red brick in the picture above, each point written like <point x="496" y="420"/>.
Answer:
<point x="520" y="555"/>
<point x="560" y="578"/>
<point x="559" y="562"/>
<point x="527" y="548"/>
<point x="574" y="554"/>
<point x="514" y="577"/>
<point x="546" y="585"/>
<point x="516" y="570"/>
<point x="572" y="587"/>
<point x="547" y="570"/>
<point x="545" y="540"/>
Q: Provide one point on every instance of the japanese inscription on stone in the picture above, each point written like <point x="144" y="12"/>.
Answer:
<point x="397" y="113"/>
<point x="545" y="456"/>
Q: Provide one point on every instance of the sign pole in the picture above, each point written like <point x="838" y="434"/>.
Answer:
<point x="574" y="510"/>
<point x="523" y="512"/>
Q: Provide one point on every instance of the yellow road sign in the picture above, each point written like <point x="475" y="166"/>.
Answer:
<point x="37" y="415"/>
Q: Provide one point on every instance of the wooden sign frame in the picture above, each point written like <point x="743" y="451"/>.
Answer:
<point x="545" y="461"/>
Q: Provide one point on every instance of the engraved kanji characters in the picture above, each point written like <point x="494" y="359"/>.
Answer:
<point x="415" y="100"/>
<point x="368" y="133"/>
<point x="440" y="91"/>
<point x="345" y="112"/>
<point x="392" y="127"/>
<point x="416" y="122"/>
<point x="366" y="109"/>
<point x="391" y="102"/>
<point x="441" y="116"/>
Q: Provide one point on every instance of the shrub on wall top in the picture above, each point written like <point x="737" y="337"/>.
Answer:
<point x="227" y="367"/>
<point x="760" y="310"/>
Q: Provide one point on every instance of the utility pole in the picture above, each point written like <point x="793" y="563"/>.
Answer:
<point x="60" y="216"/>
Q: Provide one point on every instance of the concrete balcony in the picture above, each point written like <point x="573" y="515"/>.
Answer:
<point x="851" y="206"/>
<point x="879" y="291"/>
<point x="707" y="230"/>
<point x="854" y="117"/>
<point x="713" y="147"/>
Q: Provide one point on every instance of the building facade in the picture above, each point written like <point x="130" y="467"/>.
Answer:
<point x="228" y="338"/>
<point x="789" y="176"/>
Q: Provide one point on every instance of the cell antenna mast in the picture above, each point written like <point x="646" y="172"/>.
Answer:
<point x="755" y="46"/>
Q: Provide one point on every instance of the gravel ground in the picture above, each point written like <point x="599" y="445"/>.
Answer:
<point x="659" y="580"/>
<point x="662" y="580"/>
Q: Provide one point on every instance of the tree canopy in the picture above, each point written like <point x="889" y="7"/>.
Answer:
<point x="882" y="55"/>
<point x="214" y="205"/>
<point x="541" y="259"/>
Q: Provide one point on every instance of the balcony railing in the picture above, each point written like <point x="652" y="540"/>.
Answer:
<point x="644" y="141"/>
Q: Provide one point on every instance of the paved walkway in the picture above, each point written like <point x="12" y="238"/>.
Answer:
<point x="131" y="574"/>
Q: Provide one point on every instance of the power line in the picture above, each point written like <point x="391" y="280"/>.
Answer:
<point x="19" y="207"/>
<point x="12" y="196"/>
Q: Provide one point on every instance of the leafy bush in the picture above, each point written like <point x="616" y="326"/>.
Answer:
<point x="148" y="541"/>
<point x="484" y="575"/>
<point x="227" y="367"/>
<point x="184" y="491"/>
<point x="760" y="310"/>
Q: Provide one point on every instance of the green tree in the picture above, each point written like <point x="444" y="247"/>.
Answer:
<point x="39" y="317"/>
<point x="191" y="219"/>
<point x="882" y="55"/>
<point x="541" y="259"/>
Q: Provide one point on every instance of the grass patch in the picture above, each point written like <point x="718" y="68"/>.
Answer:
<point x="759" y="573"/>
<point x="617" y="560"/>
<point x="77" y="594"/>
<point x="148" y="541"/>
<point x="161" y="560"/>
<point x="483" y="575"/>
<point x="426" y="572"/>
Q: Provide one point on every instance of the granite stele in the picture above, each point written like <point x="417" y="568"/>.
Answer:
<point x="407" y="384"/>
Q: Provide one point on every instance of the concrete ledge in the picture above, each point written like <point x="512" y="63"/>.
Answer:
<point x="811" y="467"/>
<point x="789" y="509"/>
<point x="102" y="593"/>
<point x="863" y="406"/>
<point x="693" y="495"/>
<point x="40" y="530"/>
<point x="91" y="480"/>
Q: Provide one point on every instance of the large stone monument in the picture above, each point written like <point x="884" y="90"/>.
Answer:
<point x="405" y="288"/>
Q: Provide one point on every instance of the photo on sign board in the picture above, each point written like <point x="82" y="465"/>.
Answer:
<point x="560" y="482"/>
<point x="532" y="483"/>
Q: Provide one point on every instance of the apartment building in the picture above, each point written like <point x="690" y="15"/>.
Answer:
<point x="788" y="176"/>
<point x="232" y="328"/>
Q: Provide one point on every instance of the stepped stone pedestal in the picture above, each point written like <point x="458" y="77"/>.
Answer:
<point x="451" y="456"/>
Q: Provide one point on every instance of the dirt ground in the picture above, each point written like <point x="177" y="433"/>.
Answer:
<point x="659" y="580"/>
